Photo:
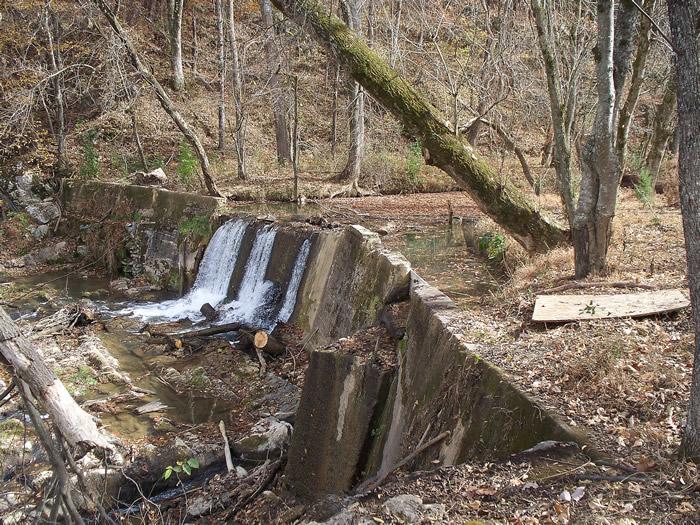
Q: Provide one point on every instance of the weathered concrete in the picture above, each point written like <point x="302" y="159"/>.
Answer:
<point x="167" y="230"/>
<point x="338" y="403"/>
<point x="349" y="278"/>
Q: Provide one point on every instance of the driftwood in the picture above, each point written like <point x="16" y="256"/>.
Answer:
<point x="209" y="312"/>
<point x="76" y="426"/>
<point x="66" y="318"/>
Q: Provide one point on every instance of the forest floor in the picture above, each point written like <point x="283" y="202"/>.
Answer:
<point x="623" y="382"/>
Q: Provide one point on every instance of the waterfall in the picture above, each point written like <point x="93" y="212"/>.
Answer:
<point x="290" y="298"/>
<point x="259" y="302"/>
<point x="254" y="302"/>
<point x="212" y="280"/>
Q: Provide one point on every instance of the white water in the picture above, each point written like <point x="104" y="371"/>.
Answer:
<point x="212" y="280"/>
<point x="254" y="301"/>
<point x="258" y="298"/>
<point x="290" y="298"/>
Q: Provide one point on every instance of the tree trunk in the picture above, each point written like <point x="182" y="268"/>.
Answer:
<point x="661" y="129"/>
<point x="559" y="112"/>
<point x="636" y="81"/>
<point x="175" y="27"/>
<point x="682" y="15"/>
<point x="237" y="95"/>
<point x="195" y="44"/>
<point x="277" y="91"/>
<point x="137" y="140"/>
<point x="351" y="171"/>
<point x="162" y="96"/>
<point x="75" y="425"/>
<point x="222" y="73"/>
<point x="599" y="176"/>
<point x="498" y="199"/>
<point x="52" y="28"/>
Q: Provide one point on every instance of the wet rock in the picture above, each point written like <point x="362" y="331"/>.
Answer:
<point x="268" y="438"/>
<point x="410" y="509"/>
<point x="119" y="285"/>
<point x="157" y="177"/>
<point x="43" y="212"/>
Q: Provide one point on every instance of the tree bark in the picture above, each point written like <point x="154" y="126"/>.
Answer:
<point x="559" y="111"/>
<point x="351" y="171"/>
<point x="498" y="199"/>
<point x="599" y="175"/>
<point x="661" y="129"/>
<point x="175" y="27"/>
<point x="636" y="81"/>
<point x="195" y="43"/>
<point x="162" y="96"/>
<point x="682" y="15"/>
<point x="277" y="92"/>
<point x="52" y="28"/>
<point x="237" y="95"/>
<point x="137" y="140"/>
<point x="222" y="73"/>
<point x="75" y="425"/>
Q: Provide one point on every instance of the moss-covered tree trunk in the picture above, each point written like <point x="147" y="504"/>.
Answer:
<point x="499" y="199"/>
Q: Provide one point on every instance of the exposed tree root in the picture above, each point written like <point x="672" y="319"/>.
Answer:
<point x="352" y="190"/>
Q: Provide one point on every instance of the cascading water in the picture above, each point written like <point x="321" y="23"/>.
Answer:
<point x="255" y="300"/>
<point x="212" y="280"/>
<point x="258" y="300"/>
<point x="290" y="297"/>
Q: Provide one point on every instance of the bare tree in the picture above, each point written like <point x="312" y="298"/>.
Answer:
<point x="222" y="73"/>
<point x="175" y="33"/>
<point x="661" y="129"/>
<point x="683" y="16"/>
<point x="351" y="10"/>
<point x="52" y="28"/>
<point x="237" y="94"/>
<point x="165" y="101"/>
<point x="277" y="91"/>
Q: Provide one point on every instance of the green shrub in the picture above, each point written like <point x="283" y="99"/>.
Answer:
<point x="414" y="164"/>
<point x="187" y="166"/>
<point x="494" y="245"/>
<point x="90" y="167"/>
<point x="196" y="226"/>
<point x="644" y="189"/>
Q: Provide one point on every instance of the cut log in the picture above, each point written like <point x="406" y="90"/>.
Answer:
<point x="562" y="308"/>
<point x="212" y="330"/>
<point x="261" y="340"/>
<point x="209" y="313"/>
<point x="76" y="426"/>
<point x="499" y="199"/>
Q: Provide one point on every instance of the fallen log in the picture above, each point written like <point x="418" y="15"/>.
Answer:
<point x="261" y="340"/>
<point x="209" y="313"/>
<point x="497" y="198"/>
<point x="76" y="426"/>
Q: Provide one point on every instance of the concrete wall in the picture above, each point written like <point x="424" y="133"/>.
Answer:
<point x="167" y="230"/>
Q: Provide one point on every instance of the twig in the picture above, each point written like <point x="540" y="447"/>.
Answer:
<point x="227" y="449"/>
<point x="371" y="485"/>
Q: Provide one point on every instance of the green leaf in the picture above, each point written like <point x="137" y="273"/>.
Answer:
<point x="177" y="468"/>
<point x="187" y="469"/>
<point x="168" y="472"/>
<point x="192" y="462"/>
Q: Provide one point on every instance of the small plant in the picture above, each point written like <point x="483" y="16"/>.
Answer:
<point x="644" y="189"/>
<point x="90" y="167"/>
<point x="196" y="226"/>
<point x="589" y="308"/>
<point x="414" y="163"/>
<point x="494" y="244"/>
<point x="181" y="467"/>
<point x="187" y="165"/>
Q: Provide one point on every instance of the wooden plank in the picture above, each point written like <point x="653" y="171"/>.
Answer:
<point x="561" y="308"/>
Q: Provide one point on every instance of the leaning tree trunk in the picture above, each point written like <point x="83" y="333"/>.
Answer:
<point x="175" y="23"/>
<point x="237" y="95"/>
<point x="162" y="96"/>
<point x="661" y="129"/>
<point x="75" y="425"/>
<point x="351" y="171"/>
<point x="277" y="92"/>
<point x="682" y="15"/>
<point x="504" y="203"/>
<point x="599" y="179"/>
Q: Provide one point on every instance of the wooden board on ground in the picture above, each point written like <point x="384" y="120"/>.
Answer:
<point x="562" y="308"/>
